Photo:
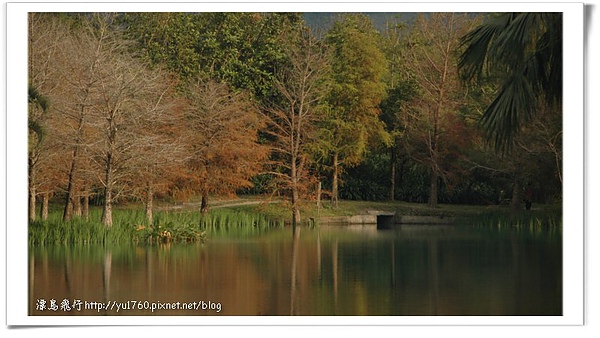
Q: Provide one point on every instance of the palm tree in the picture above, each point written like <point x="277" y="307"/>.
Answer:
<point x="523" y="52"/>
<point x="38" y="106"/>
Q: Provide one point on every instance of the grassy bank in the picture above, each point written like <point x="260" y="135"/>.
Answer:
<point x="489" y="216"/>
<point x="349" y="208"/>
<point x="130" y="225"/>
<point x="242" y="219"/>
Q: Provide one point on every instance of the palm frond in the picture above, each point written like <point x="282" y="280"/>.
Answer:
<point x="38" y="129"/>
<point x="525" y="51"/>
<point x="476" y="44"/>
<point x="513" y="105"/>
<point x="36" y="98"/>
<point x="41" y="101"/>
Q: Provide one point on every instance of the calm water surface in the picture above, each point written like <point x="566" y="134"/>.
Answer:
<point x="333" y="270"/>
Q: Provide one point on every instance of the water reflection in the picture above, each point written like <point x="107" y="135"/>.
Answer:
<point x="293" y="303"/>
<point x="410" y="270"/>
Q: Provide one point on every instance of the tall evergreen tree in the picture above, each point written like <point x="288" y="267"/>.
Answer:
<point x="357" y="88"/>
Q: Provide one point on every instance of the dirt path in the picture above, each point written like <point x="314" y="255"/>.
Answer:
<point x="219" y="204"/>
<point x="239" y="203"/>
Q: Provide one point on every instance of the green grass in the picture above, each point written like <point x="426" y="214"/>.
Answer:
<point x="130" y="225"/>
<point x="78" y="231"/>
<point x="188" y="225"/>
<point x="542" y="217"/>
<point x="547" y="218"/>
<point x="347" y="208"/>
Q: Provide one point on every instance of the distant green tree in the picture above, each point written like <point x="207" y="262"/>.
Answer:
<point x="169" y="39"/>
<point x="396" y="101"/>
<point x="401" y="89"/>
<point x="238" y="48"/>
<point x="523" y="53"/>
<point x="357" y="85"/>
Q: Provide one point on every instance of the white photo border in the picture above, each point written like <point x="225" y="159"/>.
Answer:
<point x="573" y="162"/>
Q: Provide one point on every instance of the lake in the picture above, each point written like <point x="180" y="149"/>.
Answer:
<point x="410" y="270"/>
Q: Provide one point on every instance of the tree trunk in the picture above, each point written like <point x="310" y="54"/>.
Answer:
<point x="44" y="211"/>
<point x="77" y="205"/>
<point x="295" y="208"/>
<point x="32" y="201"/>
<point x="149" y="203"/>
<point x="433" y="184"/>
<point x="204" y="208"/>
<point x="400" y="172"/>
<point x="433" y="189"/>
<point x="32" y="189"/>
<point x="85" y="208"/>
<point x="107" y="208"/>
<point x="68" y="211"/>
<point x="392" y="173"/>
<point x="334" y="188"/>
<point x="319" y="192"/>
<point x="295" y="194"/>
<point x="515" y="203"/>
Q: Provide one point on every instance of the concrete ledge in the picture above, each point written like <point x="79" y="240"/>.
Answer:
<point x="372" y="218"/>
<point x="355" y="219"/>
<point x="404" y="219"/>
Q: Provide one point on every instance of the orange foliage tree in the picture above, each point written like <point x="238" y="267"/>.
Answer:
<point x="222" y="139"/>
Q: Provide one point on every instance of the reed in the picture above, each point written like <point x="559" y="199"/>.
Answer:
<point x="549" y="219"/>
<point x="77" y="231"/>
<point x="132" y="226"/>
<point x="234" y="222"/>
